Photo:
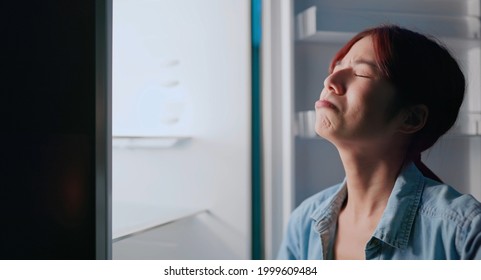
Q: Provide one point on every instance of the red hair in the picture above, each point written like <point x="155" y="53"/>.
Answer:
<point x="423" y="72"/>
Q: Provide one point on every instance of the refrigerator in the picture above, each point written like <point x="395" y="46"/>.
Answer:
<point x="201" y="168"/>
<point x="181" y="129"/>
<point x="299" y="39"/>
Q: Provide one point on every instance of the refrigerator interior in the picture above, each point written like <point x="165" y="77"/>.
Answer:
<point x="181" y="129"/>
<point x="316" y="30"/>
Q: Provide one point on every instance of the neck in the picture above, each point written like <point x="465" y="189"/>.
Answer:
<point x="370" y="176"/>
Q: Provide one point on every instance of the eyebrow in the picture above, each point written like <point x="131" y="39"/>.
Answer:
<point x="371" y="64"/>
<point x="360" y="61"/>
<point x="368" y="62"/>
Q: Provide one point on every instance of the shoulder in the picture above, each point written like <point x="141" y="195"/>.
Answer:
<point x="443" y="201"/>
<point x="459" y="214"/>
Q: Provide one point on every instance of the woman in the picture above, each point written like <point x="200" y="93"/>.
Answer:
<point x="391" y="93"/>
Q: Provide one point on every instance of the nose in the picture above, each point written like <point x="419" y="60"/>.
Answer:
<point x="335" y="82"/>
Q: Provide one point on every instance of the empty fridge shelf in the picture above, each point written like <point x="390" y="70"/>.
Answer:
<point x="318" y="23"/>
<point x="130" y="218"/>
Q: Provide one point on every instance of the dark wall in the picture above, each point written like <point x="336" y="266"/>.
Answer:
<point x="47" y="132"/>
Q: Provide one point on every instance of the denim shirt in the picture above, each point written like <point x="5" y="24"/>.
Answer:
<point x="423" y="219"/>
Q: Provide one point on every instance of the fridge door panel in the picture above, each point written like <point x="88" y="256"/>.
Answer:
<point x="182" y="103"/>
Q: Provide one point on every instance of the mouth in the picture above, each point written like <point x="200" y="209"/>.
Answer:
<point x="323" y="103"/>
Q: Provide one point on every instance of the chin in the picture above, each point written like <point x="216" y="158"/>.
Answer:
<point x="323" y="126"/>
<point x="326" y="132"/>
<point x="323" y="132"/>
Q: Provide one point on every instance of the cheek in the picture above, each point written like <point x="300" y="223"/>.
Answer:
<point x="358" y="107"/>
<point x="375" y="103"/>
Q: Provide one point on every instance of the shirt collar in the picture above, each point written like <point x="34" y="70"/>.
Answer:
<point x="326" y="214"/>
<point x="397" y="220"/>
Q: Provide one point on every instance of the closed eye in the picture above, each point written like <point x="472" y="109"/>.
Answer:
<point x="362" y="76"/>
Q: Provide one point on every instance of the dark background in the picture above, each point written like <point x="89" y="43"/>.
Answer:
<point x="47" y="132"/>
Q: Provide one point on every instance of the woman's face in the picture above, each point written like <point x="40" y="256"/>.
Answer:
<point x="355" y="102"/>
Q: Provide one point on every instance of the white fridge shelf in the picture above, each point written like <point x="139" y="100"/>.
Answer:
<point x="146" y="142"/>
<point x="130" y="218"/>
<point x="316" y="23"/>
<point x="467" y="125"/>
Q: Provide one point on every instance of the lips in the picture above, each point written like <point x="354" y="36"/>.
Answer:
<point x="323" y="103"/>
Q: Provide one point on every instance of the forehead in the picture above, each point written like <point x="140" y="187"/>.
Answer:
<point x="362" y="50"/>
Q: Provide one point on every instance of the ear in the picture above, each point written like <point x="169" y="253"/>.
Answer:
<point x="414" y="118"/>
